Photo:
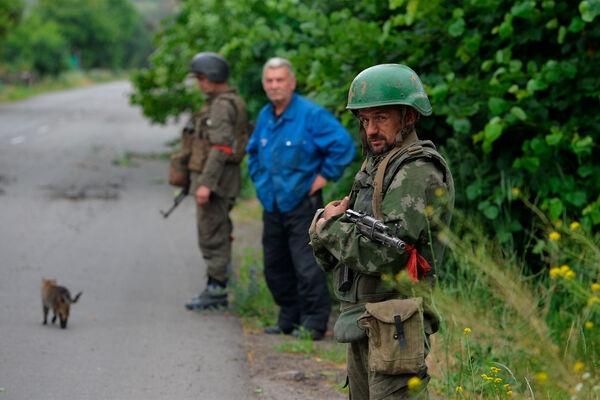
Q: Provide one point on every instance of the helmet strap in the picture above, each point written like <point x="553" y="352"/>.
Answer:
<point x="405" y="129"/>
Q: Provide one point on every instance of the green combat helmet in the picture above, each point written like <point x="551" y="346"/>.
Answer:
<point x="388" y="84"/>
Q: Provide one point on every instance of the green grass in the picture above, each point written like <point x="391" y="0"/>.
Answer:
<point x="539" y="334"/>
<point x="253" y="302"/>
<point x="505" y="332"/>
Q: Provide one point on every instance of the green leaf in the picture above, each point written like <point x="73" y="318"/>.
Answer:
<point x="554" y="137"/>
<point x="505" y="29"/>
<point x="519" y="113"/>
<point x="487" y="65"/>
<point x="555" y="208"/>
<point x="585" y="171"/>
<point x="577" y="198"/>
<point x="576" y="25"/>
<point x="497" y="105"/>
<point x="589" y="10"/>
<point x="562" y="32"/>
<point x="524" y="9"/>
<point x="534" y="85"/>
<point x="582" y="146"/>
<point x="474" y="190"/>
<point x="491" y="212"/>
<point x="462" y="125"/>
<point x="457" y="28"/>
<point x="531" y="164"/>
<point x="552" y="24"/>
<point x="492" y="131"/>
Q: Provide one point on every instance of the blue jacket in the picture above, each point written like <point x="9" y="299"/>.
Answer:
<point x="285" y="154"/>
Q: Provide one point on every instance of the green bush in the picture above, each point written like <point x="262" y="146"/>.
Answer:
<point x="513" y="85"/>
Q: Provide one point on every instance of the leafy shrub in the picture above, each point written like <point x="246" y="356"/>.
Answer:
<point x="513" y="85"/>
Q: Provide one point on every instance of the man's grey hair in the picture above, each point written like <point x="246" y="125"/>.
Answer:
<point x="278" y="62"/>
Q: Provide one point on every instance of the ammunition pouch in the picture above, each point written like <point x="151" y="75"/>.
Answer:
<point x="200" y="149"/>
<point x="179" y="174"/>
<point x="396" y="336"/>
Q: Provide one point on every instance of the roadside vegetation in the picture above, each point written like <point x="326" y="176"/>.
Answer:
<point x="49" y="45"/>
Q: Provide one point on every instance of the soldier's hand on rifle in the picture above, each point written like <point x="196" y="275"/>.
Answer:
<point x="335" y="207"/>
<point x="203" y="195"/>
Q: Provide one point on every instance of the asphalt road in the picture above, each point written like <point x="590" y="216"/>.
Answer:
<point x="68" y="212"/>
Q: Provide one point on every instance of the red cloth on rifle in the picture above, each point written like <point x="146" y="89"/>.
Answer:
<point x="416" y="263"/>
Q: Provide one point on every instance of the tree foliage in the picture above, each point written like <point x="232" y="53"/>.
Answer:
<point x="56" y="34"/>
<point x="10" y="13"/>
<point x="514" y="84"/>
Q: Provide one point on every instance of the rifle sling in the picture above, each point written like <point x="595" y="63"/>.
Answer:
<point x="405" y="145"/>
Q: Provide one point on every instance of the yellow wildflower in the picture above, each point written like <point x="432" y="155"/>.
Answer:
<point x="459" y="389"/>
<point x="495" y="370"/>
<point x="593" y="300"/>
<point x="570" y="275"/>
<point x="467" y="331"/>
<point x="554" y="272"/>
<point x="498" y="380"/>
<point x="428" y="210"/>
<point x="509" y="393"/>
<point x="541" y="377"/>
<point x="589" y="325"/>
<point x="578" y="366"/>
<point x="554" y="236"/>
<point x="484" y="376"/>
<point x="506" y="386"/>
<point x="515" y="192"/>
<point x="439" y="192"/>
<point x="564" y="269"/>
<point x="595" y="287"/>
<point x="414" y="382"/>
<point x="574" y="225"/>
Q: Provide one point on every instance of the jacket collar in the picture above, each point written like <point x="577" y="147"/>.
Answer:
<point x="290" y="111"/>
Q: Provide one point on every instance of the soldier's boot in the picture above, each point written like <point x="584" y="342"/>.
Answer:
<point x="214" y="296"/>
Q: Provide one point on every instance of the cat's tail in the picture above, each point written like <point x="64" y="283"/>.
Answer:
<point x="74" y="300"/>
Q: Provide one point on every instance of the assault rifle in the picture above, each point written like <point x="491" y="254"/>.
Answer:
<point x="178" y="199"/>
<point x="374" y="230"/>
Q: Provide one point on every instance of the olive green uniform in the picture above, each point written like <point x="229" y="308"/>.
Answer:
<point x="210" y="138"/>
<point x="417" y="198"/>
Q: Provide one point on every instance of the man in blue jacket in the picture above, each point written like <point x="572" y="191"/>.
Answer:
<point x="297" y="146"/>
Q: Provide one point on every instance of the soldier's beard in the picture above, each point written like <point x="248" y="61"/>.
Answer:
<point x="381" y="149"/>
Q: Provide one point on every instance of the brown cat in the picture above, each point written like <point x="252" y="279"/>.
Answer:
<point x="57" y="298"/>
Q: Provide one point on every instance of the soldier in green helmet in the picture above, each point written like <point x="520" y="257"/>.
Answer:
<point x="385" y="293"/>
<point x="213" y="143"/>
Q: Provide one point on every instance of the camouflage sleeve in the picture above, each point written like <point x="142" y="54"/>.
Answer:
<point x="406" y="206"/>
<point x="220" y="135"/>
<point x="324" y="258"/>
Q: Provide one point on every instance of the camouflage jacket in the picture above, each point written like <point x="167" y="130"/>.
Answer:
<point x="209" y="138"/>
<point x="418" y="197"/>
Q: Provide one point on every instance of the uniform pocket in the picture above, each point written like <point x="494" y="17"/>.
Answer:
<point x="346" y="327"/>
<point x="396" y="336"/>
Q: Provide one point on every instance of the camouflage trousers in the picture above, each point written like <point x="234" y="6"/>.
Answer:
<point x="367" y="385"/>
<point x="214" y="235"/>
